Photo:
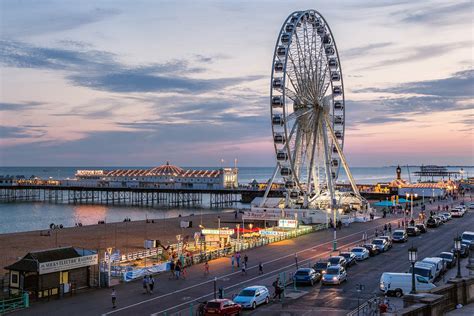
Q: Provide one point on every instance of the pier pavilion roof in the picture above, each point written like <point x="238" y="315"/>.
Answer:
<point x="164" y="170"/>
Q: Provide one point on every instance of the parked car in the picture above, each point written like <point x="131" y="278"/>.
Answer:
<point x="432" y="222"/>
<point x="439" y="264"/>
<point x="399" y="284"/>
<point x="464" y="251"/>
<point x="381" y="244"/>
<point x="467" y="238"/>
<point x="443" y="218"/>
<point x="400" y="236"/>
<point x="350" y="258"/>
<point x="361" y="253"/>
<point x="252" y="296"/>
<point x="447" y="215"/>
<point x="422" y="228"/>
<point x="471" y="206"/>
<point x="439" y="219"/>
<point x="337" y="261"/>
<point x="449" y="258"/>
<point x="373" y="250"/>
<point x="306" y="275"/>
<point x="388" y="239"/>
<point x="321" y="267"/>
<point x="413" y="231"/>
<point x="456" y="212"/>
<point x="334" y="275"/>
<point x="425" y="270"/>
<point x="222" y="307"/>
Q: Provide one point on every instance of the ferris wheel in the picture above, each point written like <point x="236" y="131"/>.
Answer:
<point x="307" y="107"/>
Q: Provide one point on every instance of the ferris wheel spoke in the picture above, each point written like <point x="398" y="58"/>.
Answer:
<point x="299" y="84"/>
<point x="302" y="64"/>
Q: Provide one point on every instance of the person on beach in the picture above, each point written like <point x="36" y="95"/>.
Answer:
<point x="145" y="284"/>
<point x="206" y="268"/>
<point x="114" y="298"/>
<point x="151" y="282"/>
<point x="260" y="268"/>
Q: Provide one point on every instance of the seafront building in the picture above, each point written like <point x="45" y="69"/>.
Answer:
<point x="165" y="176"/>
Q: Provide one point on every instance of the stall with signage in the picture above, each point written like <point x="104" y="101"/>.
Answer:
<point x="217" y="237"/>
<point x="52" y="272"/>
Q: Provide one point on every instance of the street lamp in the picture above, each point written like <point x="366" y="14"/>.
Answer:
<point x="250" y="227"/>
<point x="457" y="247"/>
<point x="411" y="208"/>
<point x="412" y="254"/>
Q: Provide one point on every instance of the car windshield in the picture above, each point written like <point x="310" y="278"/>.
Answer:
<point x="446" y="255"/>
<point x="377" y="241"/>
<point x="346" y="255"/>
<point x="333" y="271"/>
<point x="302" y="273"/>
<point x="247" y="293"/>
<point x="467" y="236"/>
<point x="398" y="234"/>
<point x="357" y="250"/>
<point x="334" y="260"/>
<point x="213" y="304"/>
<point x="423" y="272"/>
<point x="321" y="265"/>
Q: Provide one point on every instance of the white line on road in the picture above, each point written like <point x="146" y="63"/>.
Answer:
<point x="234" y="273"/>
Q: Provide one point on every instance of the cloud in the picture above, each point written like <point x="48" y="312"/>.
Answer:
<point x="385" y="119"/>
<point x="99" y="70"/>
<point x="440" y="15"/>
<point x="363" y="50"/>
<point x="459" y="85"/>
<point x="21" y="132"/>
<point x="6" y="106"/>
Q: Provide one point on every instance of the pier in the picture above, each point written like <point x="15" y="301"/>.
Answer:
<point x="131" y="196"/>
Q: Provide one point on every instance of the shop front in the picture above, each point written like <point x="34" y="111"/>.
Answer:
<point x="52" y="272"/>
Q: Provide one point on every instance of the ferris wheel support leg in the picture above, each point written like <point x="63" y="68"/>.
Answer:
<point x="269" y="185"/>
<point x="330" y="183"/>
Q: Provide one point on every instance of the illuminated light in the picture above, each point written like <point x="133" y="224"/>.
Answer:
<point x="334" y="278"/>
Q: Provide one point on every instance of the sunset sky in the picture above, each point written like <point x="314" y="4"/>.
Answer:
<point x="137" y="83"/>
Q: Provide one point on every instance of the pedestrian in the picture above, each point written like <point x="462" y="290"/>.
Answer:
<point x="246" y="259"/>
<point x="151" y="283"/>
<point x="183" y="273"/>
<point x="244" y="268"/>
<point x="178" y="270"/>
<point x="232" y="259"/>
<point x="145" y="284"/>
<point x="260" y="268"/>
<point x="385" y="229"/>
<point x="237" y="257"/>
<point x="114" y="298"/>
<point x="376" y="233"/>
<point x="390" y="228"/>
<point x="277" y="288"/>
<point x="206" y="268"/>
<point x="172" y="267"/>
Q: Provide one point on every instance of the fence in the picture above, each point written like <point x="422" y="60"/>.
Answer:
<point x="12" y="304"/>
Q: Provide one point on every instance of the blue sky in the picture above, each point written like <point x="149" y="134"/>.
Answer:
<point x="143" y="82"/>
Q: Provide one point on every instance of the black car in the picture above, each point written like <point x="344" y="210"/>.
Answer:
<point x="432" y="223"/>
<point x="413" y="231"/>
<point x="421" y="227"/>
<point x="464" y="251"/>
<point x="449" y="258"/>
<point x="373" y="250"/>
<point x="338" y="261"/>
<point x="350" y="258"/>
<point x="321" y="267"/>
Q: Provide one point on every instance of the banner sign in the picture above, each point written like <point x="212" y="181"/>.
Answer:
<point x="287" y="223"/>
<point x="270" y="233"/>
<point x="223" y="231"/>
<point x="67" y="264"/>
<point x="262" y="216"/>
<point x="139" y="273"/>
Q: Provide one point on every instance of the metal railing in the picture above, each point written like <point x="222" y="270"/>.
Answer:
<point x="12" y="304"/>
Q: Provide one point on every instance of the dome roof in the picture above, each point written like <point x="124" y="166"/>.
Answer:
<point x="166" y="170"/>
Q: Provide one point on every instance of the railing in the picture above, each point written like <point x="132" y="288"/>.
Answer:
<point x="12" y="304"/>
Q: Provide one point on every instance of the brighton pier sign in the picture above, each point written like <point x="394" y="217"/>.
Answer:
<point x="67" y="264"/>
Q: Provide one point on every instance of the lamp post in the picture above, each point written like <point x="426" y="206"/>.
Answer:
<point x="219" y="229"/>
<point x="412" y="254"/>
<point x="457" y="246"/>
<point x="411" y="205"/>
<point x="109" y="263"/>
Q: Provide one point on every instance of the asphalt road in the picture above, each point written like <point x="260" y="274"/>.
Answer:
<point x="178" y="297"/>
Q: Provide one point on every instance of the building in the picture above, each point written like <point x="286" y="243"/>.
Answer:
<point x="165" y="176"/>
<point x="52" y="272"/>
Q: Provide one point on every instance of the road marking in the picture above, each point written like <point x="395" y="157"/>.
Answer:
<point x="238" y="272"/>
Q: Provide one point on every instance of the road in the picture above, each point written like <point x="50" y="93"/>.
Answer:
<point x="174" y="297"/>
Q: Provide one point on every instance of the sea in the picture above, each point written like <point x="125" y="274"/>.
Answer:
<point x="27" y="216"/>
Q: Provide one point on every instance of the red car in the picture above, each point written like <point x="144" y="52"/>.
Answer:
<point x="222" y="307"/>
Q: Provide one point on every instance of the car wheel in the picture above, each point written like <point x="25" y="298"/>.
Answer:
<point x="254" y="305"/>
<point x="267" y="300"/>
<point x="398" y="293"/>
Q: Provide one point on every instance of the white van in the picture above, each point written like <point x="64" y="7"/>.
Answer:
<point x="399" y="284"/>
<point x="439" y="264"/>
<point x="425" y="270"/>
<point x="467" y="238"/>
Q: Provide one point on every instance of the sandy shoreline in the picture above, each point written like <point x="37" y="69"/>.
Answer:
<point x="126" y="236"/>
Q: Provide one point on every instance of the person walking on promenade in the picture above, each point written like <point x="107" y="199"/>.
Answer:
<point x="151" y="282"/>
<point x="145" y="284"/>
<point x="237" y="257"/>
<point x="114" y="298"/>
<point x="178" y="270"/>
<point x="244" y="268"/>
<point x="385" y="229"/>
<point x="246" y="259"/>
<point x="172" y="267"/>
<point x="232" y="260"/>
<point x="260" y="268"/>
<point x="278" y="288"/>
<point x="376" y="233"/>
<point x="390" y="228"/>
<point x="206" y="268"/>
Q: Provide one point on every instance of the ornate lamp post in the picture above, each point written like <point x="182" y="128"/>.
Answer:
<point x="412" y="255"/>
<point x="457" y="246"/>
<point x="411" y="205"/>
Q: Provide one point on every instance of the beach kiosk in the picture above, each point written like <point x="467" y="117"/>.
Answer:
<point x="52" y="272"/>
